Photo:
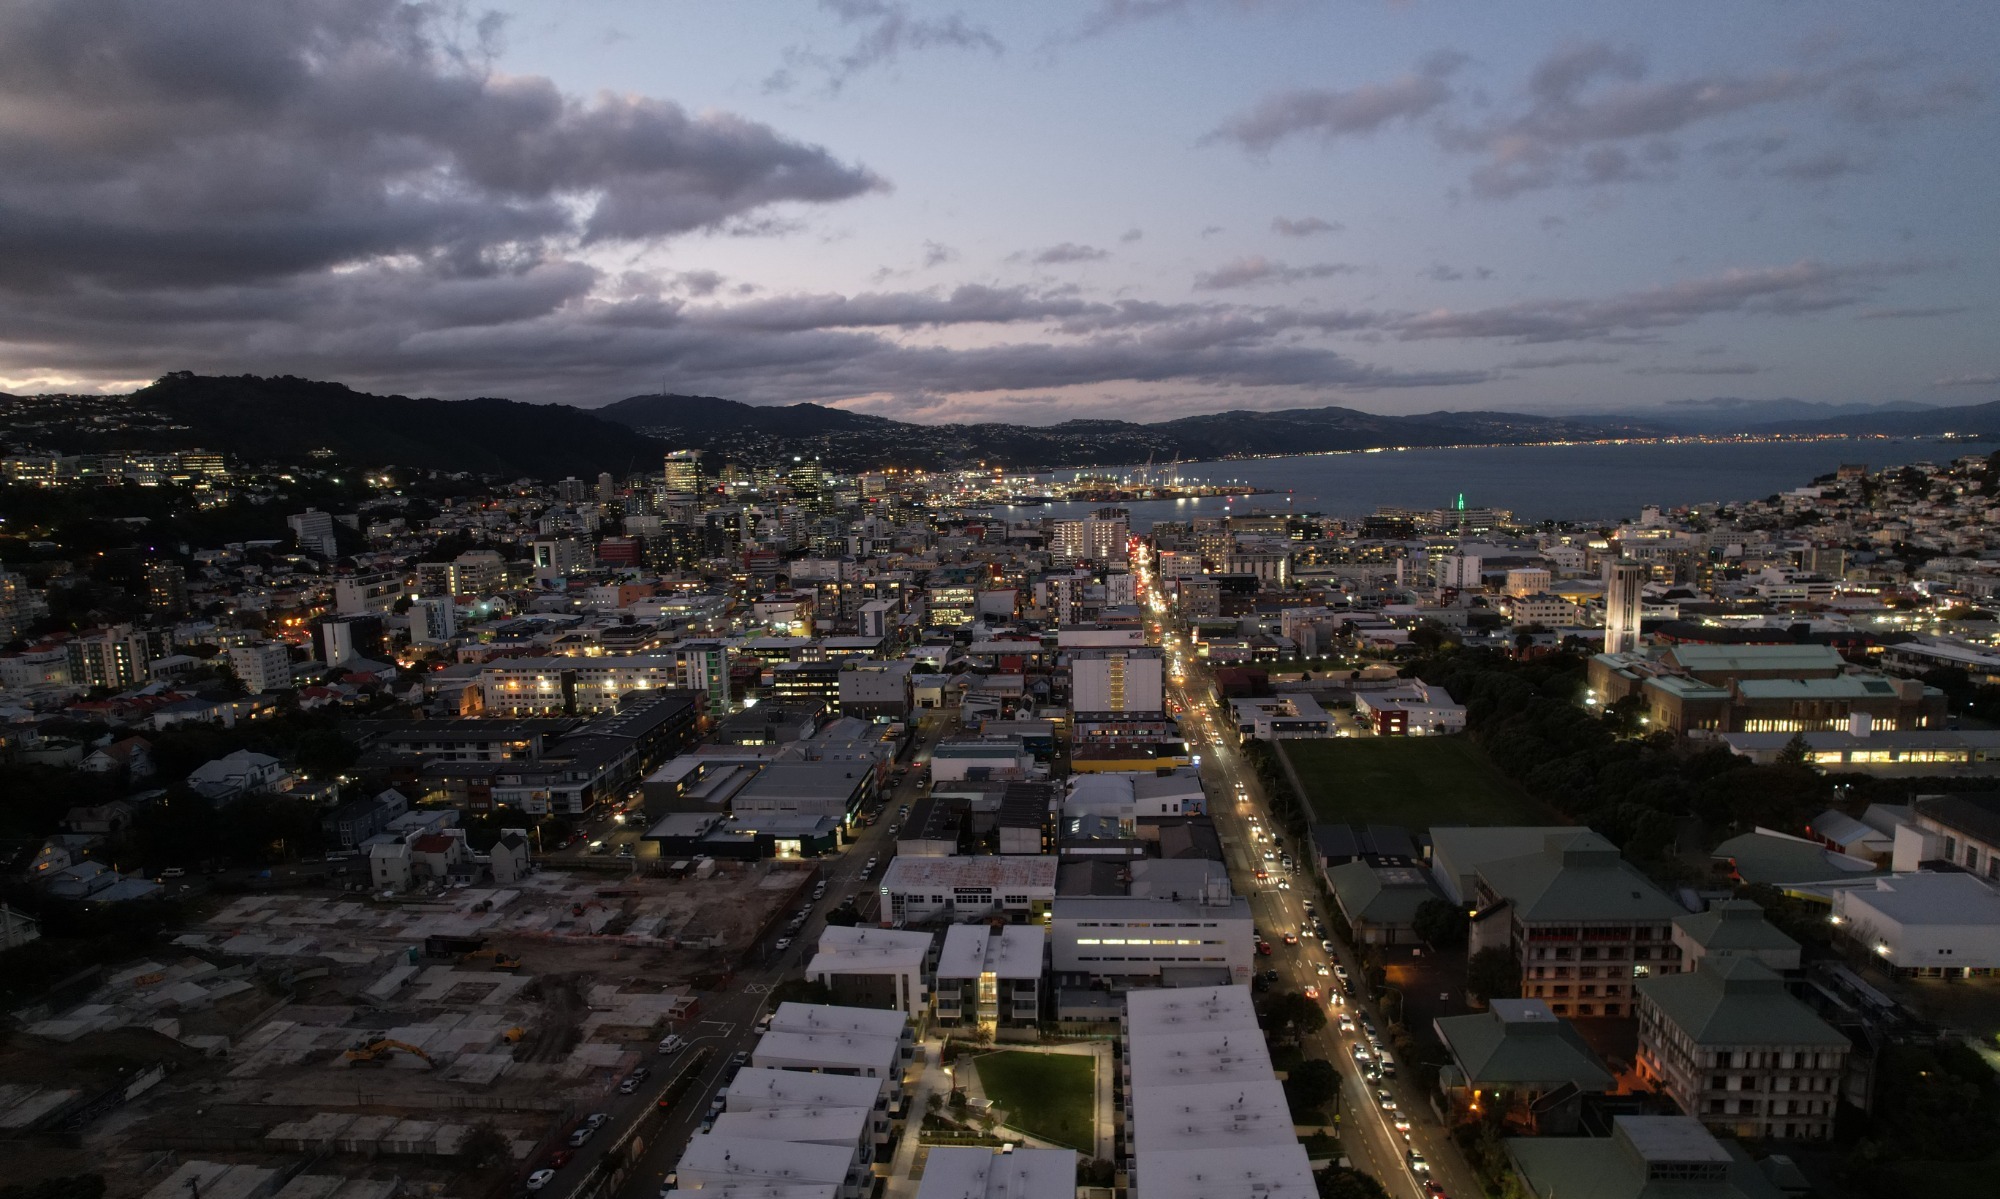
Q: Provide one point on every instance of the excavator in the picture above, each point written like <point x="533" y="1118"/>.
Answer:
<point x="500" y="960"/>
<point x="377" y="1053"/>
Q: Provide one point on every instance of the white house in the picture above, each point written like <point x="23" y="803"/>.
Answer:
<point x="236" y="775"/>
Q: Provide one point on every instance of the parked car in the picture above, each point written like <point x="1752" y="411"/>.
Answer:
<point x="578" y="1138"/>
<point x="784" y="943"/>
<point x="597" y="1119"/>
<point x="671" y="1043"/>
<point x="540" y="1179"/>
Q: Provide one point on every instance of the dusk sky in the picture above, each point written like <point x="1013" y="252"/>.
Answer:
<point x="1023" y="211"/>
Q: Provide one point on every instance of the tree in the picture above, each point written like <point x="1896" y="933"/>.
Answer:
<point x="1493" y="974"/>
<point x="1797" y="751"/>
<point x="1291" y="1015"/>
<point x="1440" y="922"/>
<point x="1310" y="1086"/>
<point x="1342" y="1182"/>
<point x="485" y="1147"/>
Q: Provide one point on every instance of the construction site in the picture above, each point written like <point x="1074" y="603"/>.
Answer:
<point x="316" y="1045"/>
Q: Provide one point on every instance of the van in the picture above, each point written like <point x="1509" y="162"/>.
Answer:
<point x="173" y="872"/>
<point x="672" y="1043"/>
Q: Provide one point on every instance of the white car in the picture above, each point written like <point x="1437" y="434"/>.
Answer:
<point x="1322" y="970"/>
<point x="784" y="943"/>
<point x="540" y="1179"/>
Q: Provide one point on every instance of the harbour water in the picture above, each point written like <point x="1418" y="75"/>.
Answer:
<point x="1554" y="482"/>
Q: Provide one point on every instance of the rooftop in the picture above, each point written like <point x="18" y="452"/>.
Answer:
<point x="845" y="950"/>
<point x="1577" y="876"/>
<point x="1736" y="1001"/>
<point x="754" y="1088"/>
<point x="1976" y="815"/>
<point x="971" y="950"/>
<point x="715" y="1158"/>
<point x="1520" y="1042"/>
<point x="1029" y="871"/>
<point x="1948" y="899"/>
<point x="977" y="1172"/>
<point x="1734" y="924"/>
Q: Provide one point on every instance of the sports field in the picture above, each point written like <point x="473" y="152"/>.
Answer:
<point x="1416" y="782"/>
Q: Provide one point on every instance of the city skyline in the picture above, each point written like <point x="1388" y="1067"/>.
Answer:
<point x="938" y="213"/>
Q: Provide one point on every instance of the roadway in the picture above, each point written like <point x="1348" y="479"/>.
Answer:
<point x="1368" y="1138"/>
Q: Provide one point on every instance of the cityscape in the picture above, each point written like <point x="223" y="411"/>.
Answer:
<point x="1143" y="599"/>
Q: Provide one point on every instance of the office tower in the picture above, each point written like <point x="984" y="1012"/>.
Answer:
<point x="166" y="589"/>
<point x="1622" y="605"/>
<point x="314" y="529"/>
<point x="683" y="472"/>
<point x="607" y="487"/>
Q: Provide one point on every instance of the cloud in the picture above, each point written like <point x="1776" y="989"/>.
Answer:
<point x="1907" y="314"/>
<point x="1303" y="226"/>
<point x="1803" y="287"/>
<point x="1131" y="235"/>
<point x="937" y="254"/>
<point x="1823" y="167"/>
<point x="1739" y="368"/>
<point x="1441" y="273"/>
<point x="1351" y="112"/>
<point x="1551" y="361"/>
<point x="888" y="30"/>
<point x="1987" y="380"/>
<point x="1256" y="269"/>
<point x="319" y="135"/>
<point x="1068" y="251"/>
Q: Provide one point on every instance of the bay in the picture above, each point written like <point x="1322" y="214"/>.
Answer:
<point x="1542" y="482"/>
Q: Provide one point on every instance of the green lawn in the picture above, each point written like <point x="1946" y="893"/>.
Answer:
<point x="1052" y="1096"/>
<point x="1415" y="782"/>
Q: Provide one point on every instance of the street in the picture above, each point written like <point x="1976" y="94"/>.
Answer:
<point x="1368" y="1138"/>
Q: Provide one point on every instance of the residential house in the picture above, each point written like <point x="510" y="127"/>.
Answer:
<point x="233" y="776"/>
<point x="1521" y="1059"/>
<point x="130" y="759"/>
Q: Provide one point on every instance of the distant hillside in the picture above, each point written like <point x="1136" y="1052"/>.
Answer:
<point x="846" y="439"/>
<point x="1921" y="422"/>
<point x="286" y="418"/>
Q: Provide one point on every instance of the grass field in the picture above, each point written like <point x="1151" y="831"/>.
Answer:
<point x="1415" y="782"/>
<point x="1052" y="1096"/>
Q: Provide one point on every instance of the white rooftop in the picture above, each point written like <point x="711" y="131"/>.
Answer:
<point x="976" y="1172"/>
<point x="807" y="1124"/>
<point x="828" y="1017"/>
<point x="1261" y="1172"/>
<point x="711" y="1158"/>
<point x="1211" y="1115"/>
<point x="827" y="1051"/>
<point x="845" y="950"/>
<point x="1025" y="871"/>
<point x="1934" y="899"/>
<point x="755" y="1088"/>
<point x="1211" y="1055"/>
<point x="971" y="950"/>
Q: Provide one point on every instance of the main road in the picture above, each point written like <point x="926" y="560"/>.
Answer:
<point x="1369" y="1138"/>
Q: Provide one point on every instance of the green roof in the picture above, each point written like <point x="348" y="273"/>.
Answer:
<point x="1736" y="1002"/>
<point x="1780" y="859"/>
<point x="1850" y="686"/>
<point x="1577" y="878"/>
<point x="1521" y="1043"/>
<point x="1734" y="924"/>
<point x="1620" y="1166"/>
<point x="1380" y="895"/>
<point x="1757" y="657"/>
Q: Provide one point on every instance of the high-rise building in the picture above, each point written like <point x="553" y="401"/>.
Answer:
<point x="263" y="666"/>
<point x="19" y="605"/>
<point x="1099" y="537"/>
<point x="314" y="529"/>
<point x="114" y="657"/>
<point x="360" y="595"/>
<point x="571" y="490"/>
<point x="1117" y="680"/>
<point x="166" y="589"/>
<point x="607" y="487"/>
<point x="683" y="472"/>
<point x="345" y="638"/>
<point x="433" y="618"/>
<point x="1622" y="604"/>
<point x="559" y="556"/>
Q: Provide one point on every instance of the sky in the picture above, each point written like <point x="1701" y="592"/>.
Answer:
<point x="1030" y="211"/>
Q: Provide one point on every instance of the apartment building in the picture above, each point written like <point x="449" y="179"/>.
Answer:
<point x="991" y="976"/>
<point x="1739" y="1053"/>
<point x="1583" y="923"/>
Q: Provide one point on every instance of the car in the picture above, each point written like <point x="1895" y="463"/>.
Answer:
<point x="1291" y="938"/>
<point x="627" y="1086"/>
<point x="1401" y="1123"/>
<point x="597" y="1119"/>
<point x="1417" y="1163"/>
<point x="706" y="1124"/>
<point x="869" y="867"/>
<point x="1346" y="1023"/>
<point x="1326" y="946"/>
<point x="1312" y="991"/>
<point x="1433" y="1191"/>
<point x="1385" y="1100"/>
<point x="1262" y="875"/>
<point x="1284" y="884"/>
<point x="1340" y="971"/>
<point x="1322" y="970"/>
<point x="671" y="1043"/>
<point x="1264" y="947"/>
<point x="739" y="1059"/>
<point x="1270" y="976"/>
<point x="895" y="828"/>
<point x="1269" y="856"/>
<point x="784" y="943"/>
<point x="1360" y="1053"/>
<point x="580" y="1136"/>
<point x="599" y="847"/>
<point x="540" y="1179"/>
<point x="670" y="1184"/>
<point x="1388" y="1067"/>
<point x="559" y="1158"/>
